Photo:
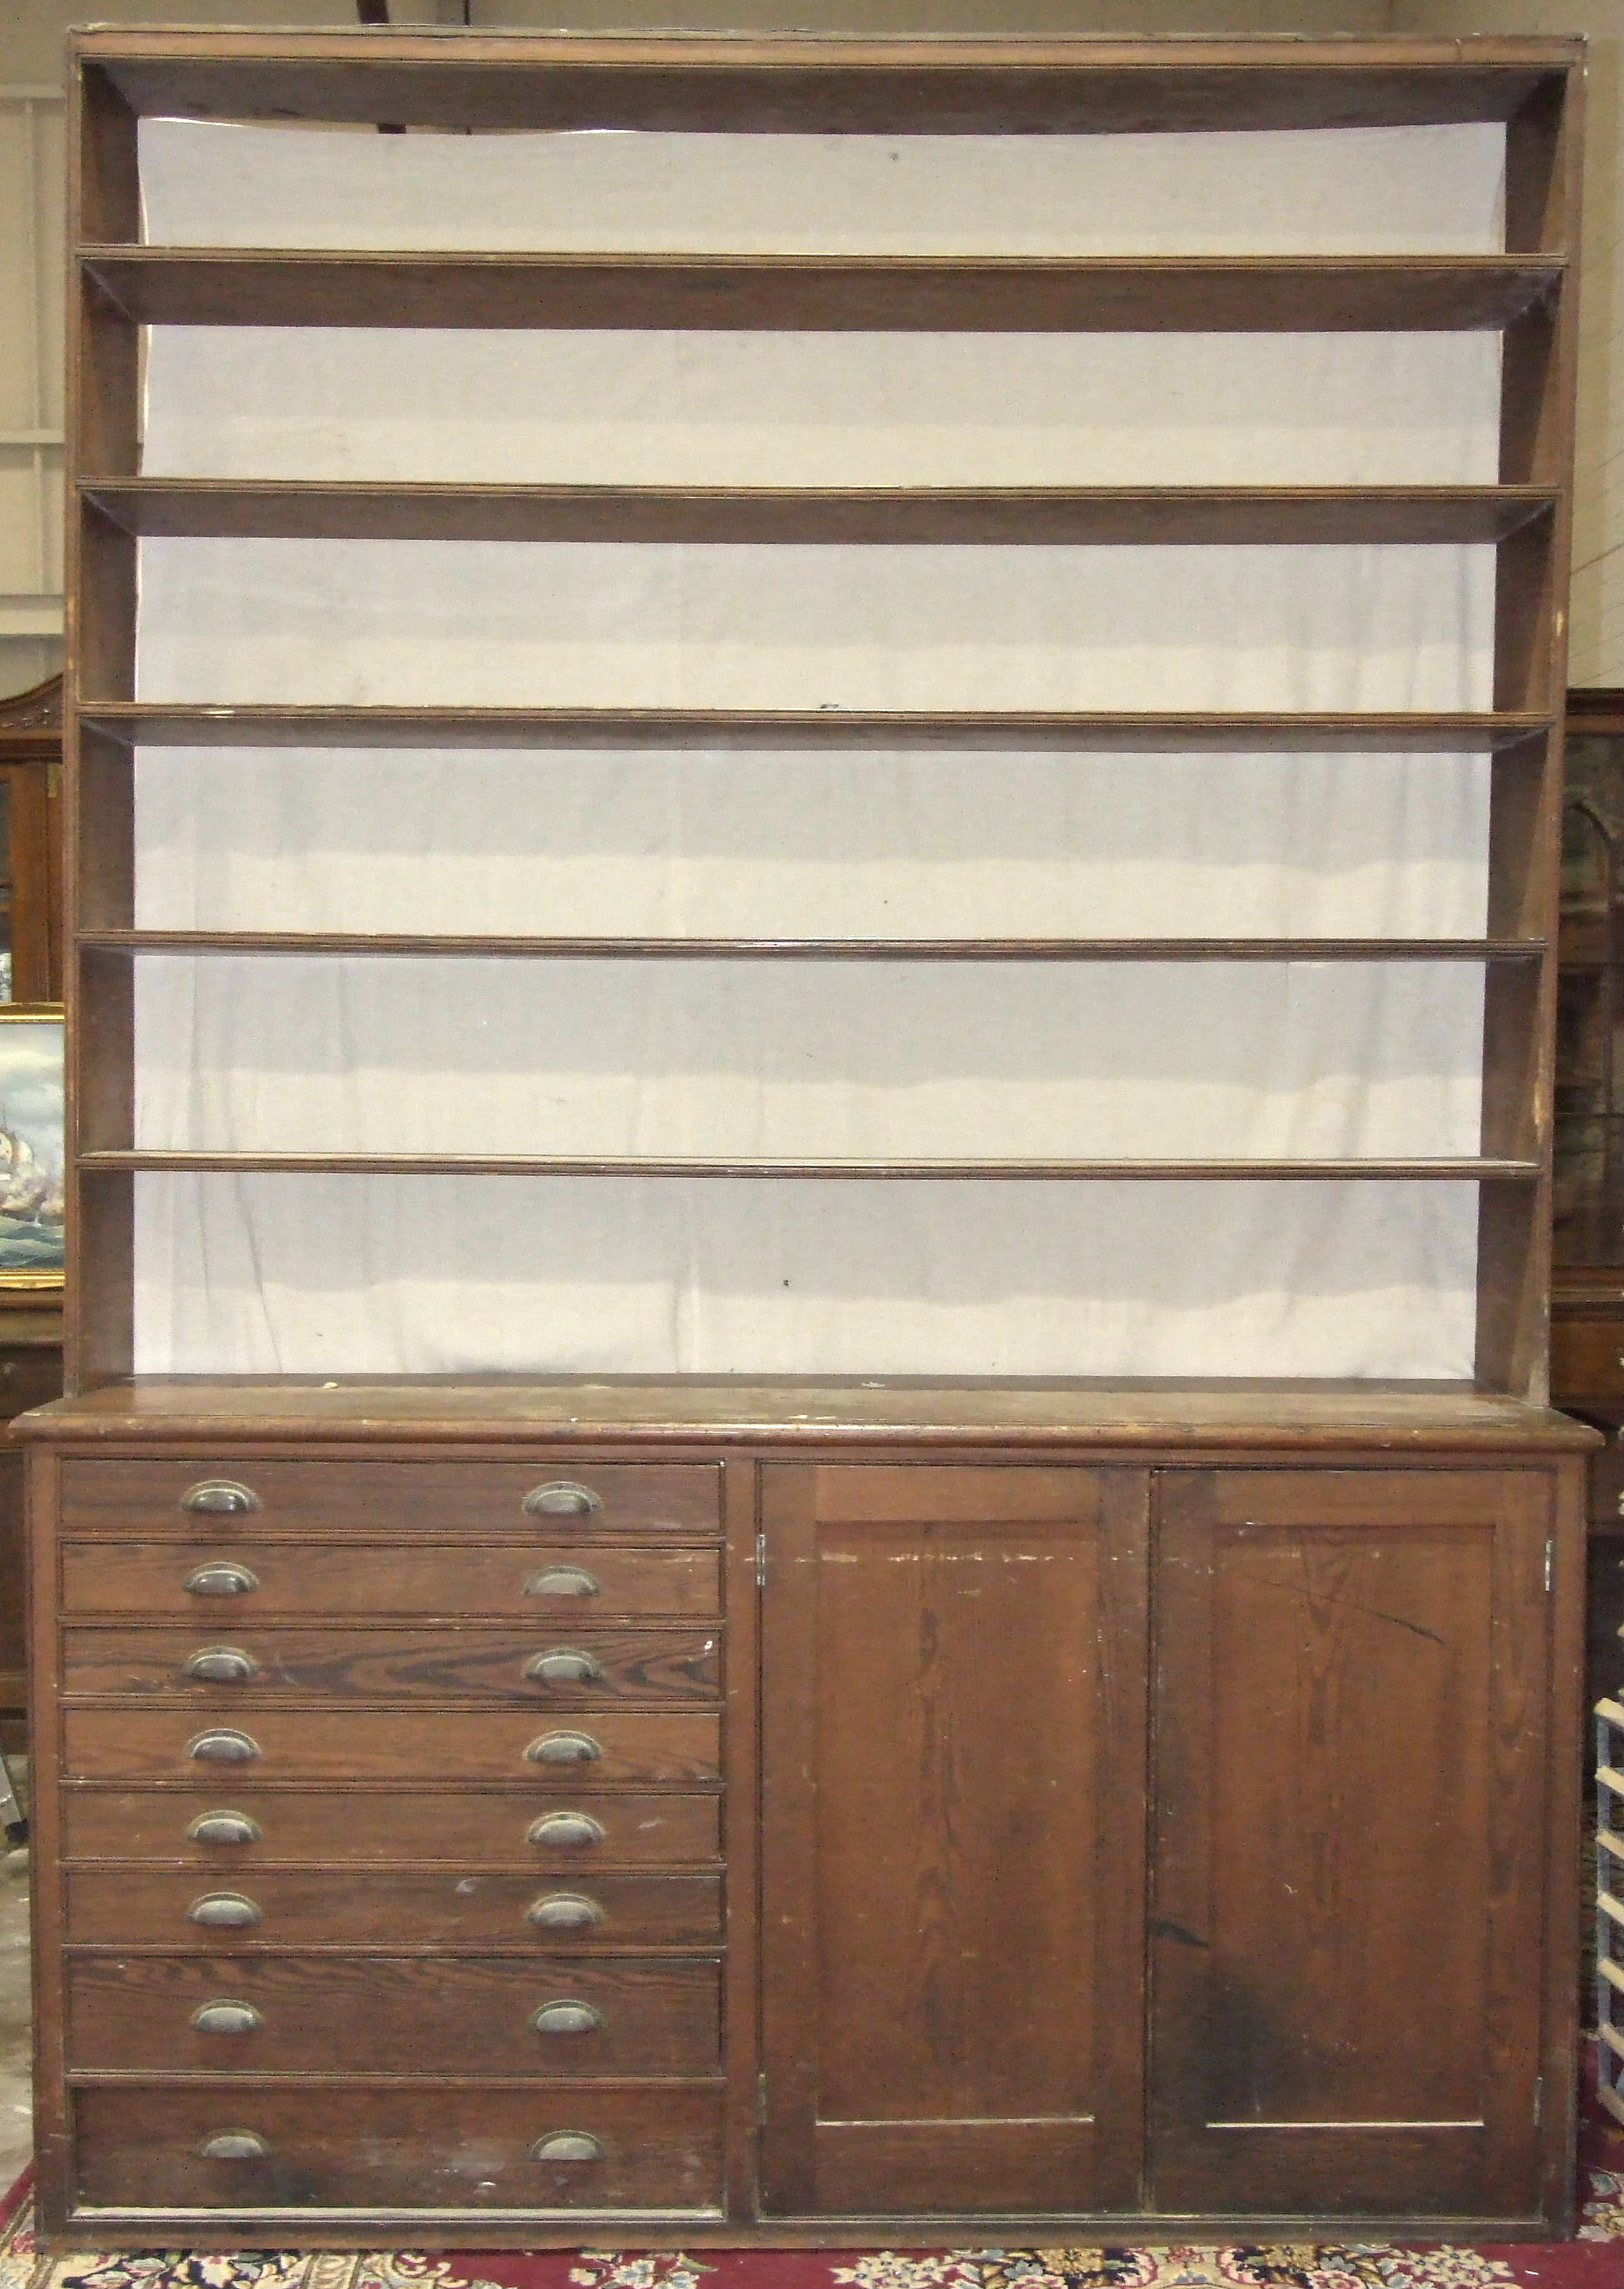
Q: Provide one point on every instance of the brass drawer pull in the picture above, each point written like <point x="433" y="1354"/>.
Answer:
<point x="220" y="1578"/>
<point x="561" y="1498"/>
<point x="567" y="2018"/>
<point x="224" y="1828"/>
<point x="564" y="1911"/>
<point x="563" y="1749"/>
<point x="222" y="1745"/>
<point x="569" y="2146"/>
<point x="224" y="1911"/>
<point x="564" y="1665"/>
<point x="574" y="1829"/>
<point x="219" y="1498"/>
<point x="235" y="2146"/>
<point x="222" y="1665"/>
<point x="563" y="1582"/>
<point x="226" y="2019"/>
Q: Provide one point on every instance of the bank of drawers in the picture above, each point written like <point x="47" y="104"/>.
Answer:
<point x="396" y="1771"/>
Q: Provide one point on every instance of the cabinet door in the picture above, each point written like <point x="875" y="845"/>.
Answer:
<point x="953" y="1839"/>
<point x="1346" y="1916"/>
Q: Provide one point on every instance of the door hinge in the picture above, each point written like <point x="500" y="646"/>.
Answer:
<point x="1539" y="2101"/>
<point x="761" y="1561"/>
<point x="1550" y="1564"/>
<point x="760" y="2102"/>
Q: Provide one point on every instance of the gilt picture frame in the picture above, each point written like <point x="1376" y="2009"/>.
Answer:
<point x="32" y="1254"/>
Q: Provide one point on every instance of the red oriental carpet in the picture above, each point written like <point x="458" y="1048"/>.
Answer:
<point x="1595" y="2260"/>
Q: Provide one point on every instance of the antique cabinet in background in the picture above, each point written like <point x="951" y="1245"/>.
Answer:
<point x="31" y="947"/>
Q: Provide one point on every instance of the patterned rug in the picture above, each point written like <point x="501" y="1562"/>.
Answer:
<point x="1594" y="2261"/>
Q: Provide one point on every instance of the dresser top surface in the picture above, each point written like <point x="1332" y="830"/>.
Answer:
<point x="792" y="1410"/>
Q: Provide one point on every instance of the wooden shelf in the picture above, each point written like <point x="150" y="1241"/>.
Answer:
<point x="165" y="725"/>
<point x="212" y="286"/>
<point x="801" y="84"/>
<point x="1015" y="515"/>
<point x="133" y="942"/>
<point x="1455" y="1171"/>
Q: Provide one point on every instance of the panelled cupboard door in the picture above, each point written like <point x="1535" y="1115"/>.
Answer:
<point x="954" y="1820"/>
<point x="1346" y="1926"/>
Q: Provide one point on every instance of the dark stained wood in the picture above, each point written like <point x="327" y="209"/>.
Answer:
<point x="790" y="84"/>
<point x="30" y="1372"/>
<point x="953" y="1773"/>
<point x="203" y="286"/>
<point x="1347" y="1896"/>
<point x="821" y="949"/>
<point x="1021" y="516"/>
<point x="447" y="1661"/>
<point x="138" y="2147"/>
<point x="426" y="1821"/>
<point x="479" y="1581"/>
<point x="117" y="1906"/>
<point x="405" y="2014"/>
<point x="1457" y="1169"/>
<point x="223" y="1421"/>
<point x="338" y="1494"/>
<point x="394" y="1744"/>
<point x="1320" y="1753"/>
<point x="1142" y="732"/>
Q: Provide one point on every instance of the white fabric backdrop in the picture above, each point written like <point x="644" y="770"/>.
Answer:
<point x="300" y="1274"/>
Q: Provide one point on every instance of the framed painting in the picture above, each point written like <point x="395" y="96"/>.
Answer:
<point x="31" y="1154"/>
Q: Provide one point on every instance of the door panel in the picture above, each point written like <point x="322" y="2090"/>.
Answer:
<point x="1346" y="1925"/>
<point x="953" y="1810"/>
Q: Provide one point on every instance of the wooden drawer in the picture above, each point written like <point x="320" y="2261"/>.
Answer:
<point x="441" y="1663"/>
<point x="570" y="1834"/>
<point x="399" y="2014"/>
<point x="338" y="1496"/>
<point x="393" y="1745"/>
<point x="142" y="2146"/>
<point x="118" y="1905"/>
<point x="269" y="1579"/>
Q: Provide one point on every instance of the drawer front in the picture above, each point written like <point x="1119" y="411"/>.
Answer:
<point x="340" y="1497"/>
<point x="145" y="2146"/>
<point x="121" y="1906"/>
<point x="396" y="2015"/>
<point x="573" y="1581"/>
<point x="175" y="1744"/>
<point x="439" y="1662"/>
<point x="253" y="1826"/>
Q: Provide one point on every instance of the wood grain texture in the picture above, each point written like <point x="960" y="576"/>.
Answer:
<point x="443" y="1661"/>
<point x="371" y="2147"/>
<point x="949" y="1741"/>
<point x="338" y="1496"/>
<point x="420" y="1821"/>
<point x="398" y="2014"/>
<point x="1350" y="1736"/>
<point x="369" y="1580"/>
<point x="789" y="83"/>
<point x="151" y="1744"/>
<point x="1144" y="732"/>
<point x="202" y="286"/>
<point x="478" y="1908"/>
<point x="252" y="1421"/>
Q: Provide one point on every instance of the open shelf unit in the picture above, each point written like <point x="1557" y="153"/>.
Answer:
<point x="890" y="87"/>
<point x="993" y="1806"/>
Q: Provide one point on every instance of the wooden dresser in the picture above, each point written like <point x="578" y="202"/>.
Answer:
<point x="1155" y="1807"/>
<point x="527" y="1803"/>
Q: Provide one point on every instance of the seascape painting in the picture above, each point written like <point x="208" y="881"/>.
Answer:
<point x="31" y="1157"/>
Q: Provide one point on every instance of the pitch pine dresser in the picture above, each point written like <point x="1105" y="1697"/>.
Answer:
<point x="954" y="1789"/>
